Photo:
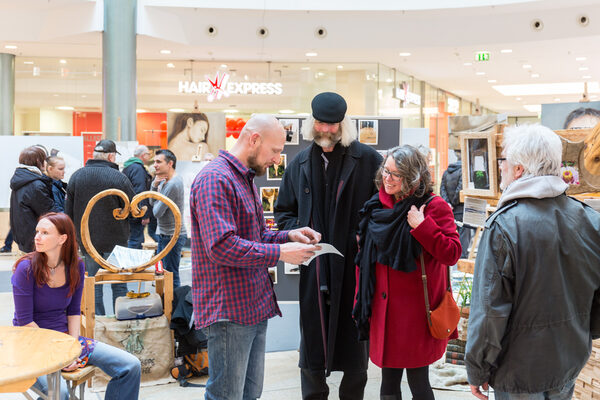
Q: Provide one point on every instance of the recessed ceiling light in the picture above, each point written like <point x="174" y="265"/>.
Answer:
<point x="389" y="80"/>
<point x="480" y="73"/>
<point x="286" y="111"/>
<point x="518" y="99"/>
<point x="536" y="108"/>
<point x="556" y="99"/>
<point x="535" y="75"/>
<point x="467" y="64"/>
<point x="28" y="62"/>
<point x="83" y="96"/>
<point x="10" y="46"/>
<point x="141" y="110"/>
<point x="65" y="108"/>
<point x="526" y="66"/>
<point x="230" y="111"/>
<point x="223" y="65"/>
<point x="170" y="65"/>
<point x="546" y="89"/>
<point x="404" y="54"/>
<point x="311" y="54"/>
<point x="178" y="110"/>
<point x="580" y="58"/>
<point x="492" y="81"/>
<point x="583" y="68"/>
<point x="305" y="68"/>
<point x="506" y="51"/>
<point x="586" y="77"/>
<point x="340" y="67"/>
<point x="63" y="61"/>
<point x="165" y="51"/>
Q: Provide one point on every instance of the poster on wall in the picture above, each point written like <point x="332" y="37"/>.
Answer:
<point x="191" y="136"/>
<point x="70" y="148"/>
<point x="275" y="171"/>
<point x="558" y="116"/>
<point x="368" y="132"/>
<point x="291" y="126"/>
<point x="268" y="197"/>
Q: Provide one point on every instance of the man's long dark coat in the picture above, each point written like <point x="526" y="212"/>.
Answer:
<point x="294" y="208"/>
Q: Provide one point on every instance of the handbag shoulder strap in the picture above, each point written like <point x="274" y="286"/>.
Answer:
<point x="424" y="276"/>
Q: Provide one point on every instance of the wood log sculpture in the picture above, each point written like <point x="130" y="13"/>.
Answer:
<point x="122" y="213"/>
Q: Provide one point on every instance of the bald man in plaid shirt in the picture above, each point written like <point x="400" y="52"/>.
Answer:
<point x="232" y="250"/>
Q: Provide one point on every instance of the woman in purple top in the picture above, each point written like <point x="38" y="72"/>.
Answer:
<point x="47" y="286"/>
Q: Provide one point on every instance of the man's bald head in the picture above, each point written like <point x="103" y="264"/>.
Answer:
<point x="267" y="126"/>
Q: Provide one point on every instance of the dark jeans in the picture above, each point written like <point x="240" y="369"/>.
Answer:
<point x="118" y="289"/>
<point x="9" y="239"/>
<point x="152" y="228"/>
<point x="136" y="233"/>
<point x="418" y="381"/>
<point x="172" y="259"/>
<point x="465" y="234"/>
<point x="314" y="385"/>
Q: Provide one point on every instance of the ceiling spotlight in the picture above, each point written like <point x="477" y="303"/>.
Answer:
<point x="537" y="25"/>
<point x="320" y="32"/>
<point x="506" y="51"/>
<point x="223" y="65"/>
<point x="140" y="110"/>
<point x="492" y="81"/>
<point x="311" y="54"/>
<point x="262" y="32"/>
<point x="557" y="99"/>
<point x="28" y="62"/>
<point x="63" y="61"/>
<point x="165" y="51"/>
<point x="404" y="54"/>
<point x="518" y="99"/>
<point x="535" y="75"/>
<point x="177" y="110"/>
<point x="230" y="111"/>
<point x="580" y="58"/>
<point x="340" y="67"/>
<point x="286" y="111"/>
<point x="65" y="108"/>
<point x="526" y="66"/>
<point x="10" y="47"/>
<point x="170" y="65"/>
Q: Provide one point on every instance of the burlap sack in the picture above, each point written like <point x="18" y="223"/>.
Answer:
<point x="148" y="339"/>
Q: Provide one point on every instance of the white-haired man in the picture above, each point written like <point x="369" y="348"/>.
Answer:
<point x="324" y="187"/>
<point x="535" y="304"/>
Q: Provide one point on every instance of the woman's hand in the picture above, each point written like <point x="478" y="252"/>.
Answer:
<point x="415" y="217"/>
<point x="74" y="365"/>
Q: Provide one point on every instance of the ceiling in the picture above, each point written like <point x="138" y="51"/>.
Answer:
<point x="441" y="37"/>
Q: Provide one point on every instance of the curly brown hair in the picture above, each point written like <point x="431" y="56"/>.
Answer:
<point x="412" y="167"/>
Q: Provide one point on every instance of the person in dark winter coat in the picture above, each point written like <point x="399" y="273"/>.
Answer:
<point x="140" y="179"/>
<point x="450" y="191"/>
<point x="324" y="187"/>
<point x="398" y="224"/>
<point x="31" y="196"/>
<point x="56" y="171"/>
<point x="98" y="174"/>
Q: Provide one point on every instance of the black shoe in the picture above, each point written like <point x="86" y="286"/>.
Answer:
<point x="5" y="250"/>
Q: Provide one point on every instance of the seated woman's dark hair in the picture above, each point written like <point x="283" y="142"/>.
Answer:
<point x="412" y="167"/>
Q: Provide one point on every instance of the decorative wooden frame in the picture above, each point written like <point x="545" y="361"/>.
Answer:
<point x="479" y="148"/>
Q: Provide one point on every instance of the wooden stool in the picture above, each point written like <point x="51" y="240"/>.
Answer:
<point x="78" y="378"/>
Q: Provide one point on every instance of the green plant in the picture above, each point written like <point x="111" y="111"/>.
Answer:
<point x="464" y="292"/>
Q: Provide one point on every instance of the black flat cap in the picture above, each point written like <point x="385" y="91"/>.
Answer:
<point x="329" y="107"/>
<point x="106" y="146"/>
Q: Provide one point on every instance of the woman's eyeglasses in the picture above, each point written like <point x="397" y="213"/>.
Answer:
<point x="394" y="175"/>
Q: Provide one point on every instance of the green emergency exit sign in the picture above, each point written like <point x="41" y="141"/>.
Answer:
<point x="482" y="56"/>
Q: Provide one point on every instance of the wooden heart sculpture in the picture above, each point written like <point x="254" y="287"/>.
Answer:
<point x="122" y="213"/>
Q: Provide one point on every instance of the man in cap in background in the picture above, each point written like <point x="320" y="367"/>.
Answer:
<point x="98" y="174"/>
<point x="324" y="187"/>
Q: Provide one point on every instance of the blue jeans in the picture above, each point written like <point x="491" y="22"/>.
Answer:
<point x="564" y="393"/>
<point x="152" y="228"/>
<point x="236" y="360"/>
<point x="118" y="289"/>
<point x="172" y="259"/>
<point x="124" y="369"/>
<point x="136" y="233"/>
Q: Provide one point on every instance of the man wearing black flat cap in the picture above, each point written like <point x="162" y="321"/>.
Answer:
<point x="324" y="187"/>
<point x="98" y="174"/>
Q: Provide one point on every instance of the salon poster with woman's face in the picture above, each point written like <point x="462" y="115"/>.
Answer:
<point x="191" y="136"/>
<point x="558" y="116"/>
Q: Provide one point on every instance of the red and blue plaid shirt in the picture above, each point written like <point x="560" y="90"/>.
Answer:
<point x="231" y="246"/>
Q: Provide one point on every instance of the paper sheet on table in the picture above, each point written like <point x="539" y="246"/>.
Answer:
<point x="125" y="258"/>
<point x="325" y="249"/>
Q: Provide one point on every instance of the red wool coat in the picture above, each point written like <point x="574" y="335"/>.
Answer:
<point x="399" y="336"/>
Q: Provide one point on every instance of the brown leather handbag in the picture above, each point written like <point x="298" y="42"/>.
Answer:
<point x="443" y="320"/>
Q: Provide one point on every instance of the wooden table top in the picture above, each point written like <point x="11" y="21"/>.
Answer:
<point x="26" y="353"/>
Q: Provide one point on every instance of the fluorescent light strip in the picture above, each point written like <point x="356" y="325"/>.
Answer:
<point x="545" y="89"/>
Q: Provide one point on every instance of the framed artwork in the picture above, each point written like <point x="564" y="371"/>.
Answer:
<point x="271" y="224"/>
<point x="268" y="197"/>
<point x="292" y="129"/>
<point x="273" y="274"/>
<point x="291" y="269"/>
<point x="368" y="131"/>
<point x="479" y="164"/>
<point x="275" y="172"/>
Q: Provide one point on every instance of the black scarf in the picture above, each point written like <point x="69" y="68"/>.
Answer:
<point x="384" y="238"/>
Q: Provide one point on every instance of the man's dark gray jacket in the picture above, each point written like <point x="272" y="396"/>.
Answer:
<point x="536" y="290"/>
<point x="85" y="183"/>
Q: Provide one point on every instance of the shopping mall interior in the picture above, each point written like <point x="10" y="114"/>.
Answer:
<point x="123" y="70"/>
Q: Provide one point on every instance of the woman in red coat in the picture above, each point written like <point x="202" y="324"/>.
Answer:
<point x="397" y="224"/>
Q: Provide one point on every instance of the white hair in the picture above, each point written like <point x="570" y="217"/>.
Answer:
<point x="347" y="126"/>
<point x="140" y="150"/>
<point x="536" y="148"/>
<point x="101" y="156"/>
